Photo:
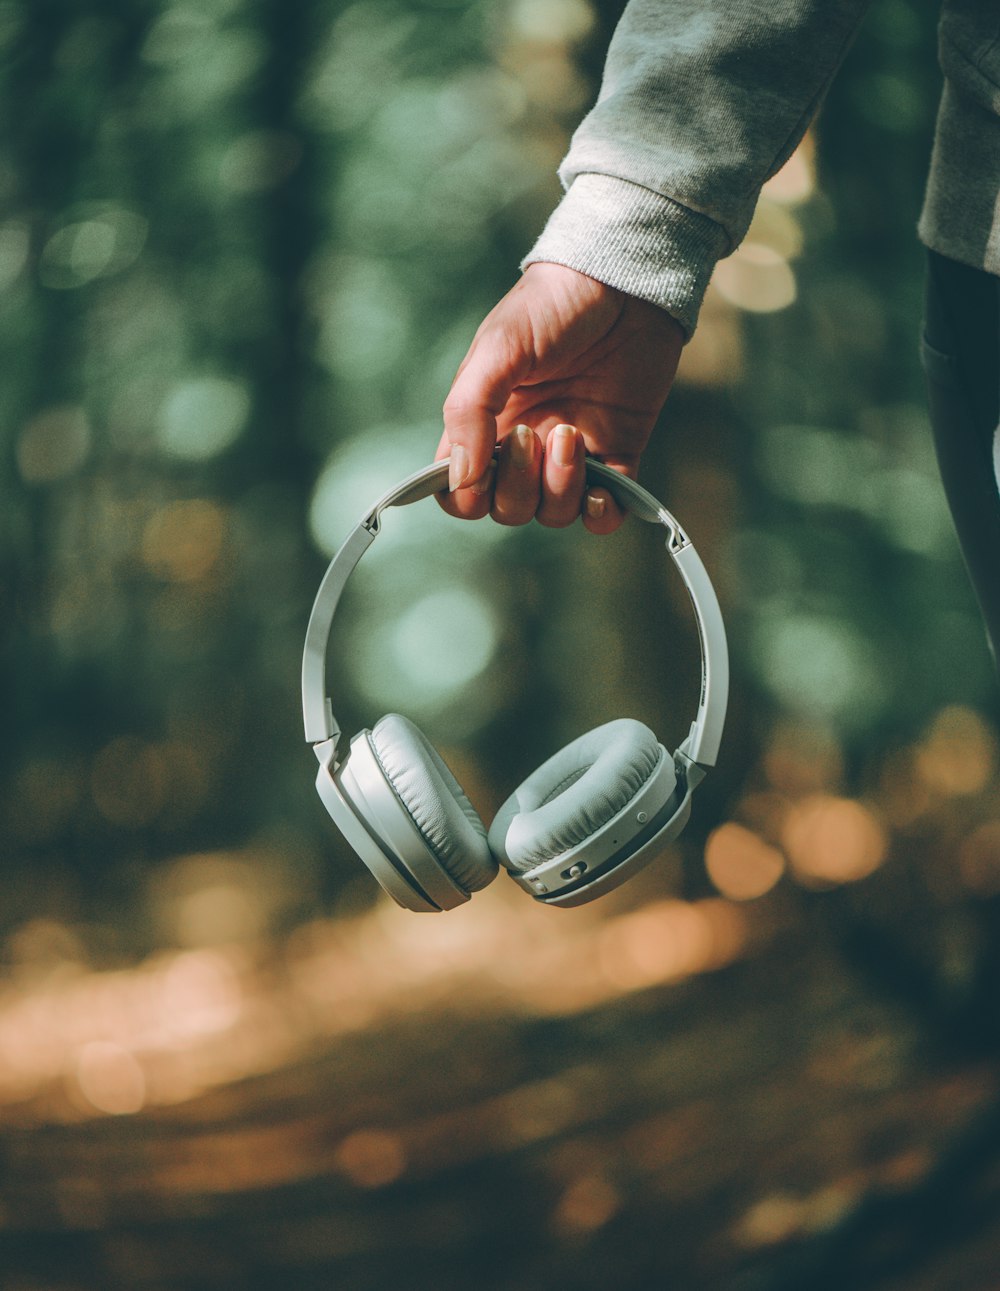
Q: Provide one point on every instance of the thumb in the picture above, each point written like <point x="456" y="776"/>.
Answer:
<point x="496" y="363"/>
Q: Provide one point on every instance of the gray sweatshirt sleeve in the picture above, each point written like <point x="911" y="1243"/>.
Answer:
<point x="701" y="102"/>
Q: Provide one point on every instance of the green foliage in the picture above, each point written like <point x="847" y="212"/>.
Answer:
<point x="245" y="247"/>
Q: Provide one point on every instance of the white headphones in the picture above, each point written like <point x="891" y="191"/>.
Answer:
<point x="584" y="822"/>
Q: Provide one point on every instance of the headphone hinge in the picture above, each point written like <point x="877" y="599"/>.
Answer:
<point x="693" y="772"/>
<point x="326" y="751"/>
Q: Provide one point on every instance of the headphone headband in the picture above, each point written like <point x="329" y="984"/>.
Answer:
<point x="702" y="744"/>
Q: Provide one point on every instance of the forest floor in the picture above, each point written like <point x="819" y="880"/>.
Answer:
<point x="764" y="1126"/>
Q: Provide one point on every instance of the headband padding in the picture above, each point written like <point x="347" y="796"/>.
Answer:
<point x="574" y="793"/>
<point x="435" y="800"/>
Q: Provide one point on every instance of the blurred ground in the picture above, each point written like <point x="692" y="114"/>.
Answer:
<point x="770" y="1123"/>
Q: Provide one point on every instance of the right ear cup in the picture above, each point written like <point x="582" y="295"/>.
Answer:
<point x="578" y="792"/>
<point x="435" y="801"/>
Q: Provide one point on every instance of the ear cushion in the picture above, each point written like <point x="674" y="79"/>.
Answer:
<point x="435" y="800"/>
<point x="574" y="793"/>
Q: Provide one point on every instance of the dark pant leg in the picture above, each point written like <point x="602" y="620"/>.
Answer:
<point x="961" y="352"/>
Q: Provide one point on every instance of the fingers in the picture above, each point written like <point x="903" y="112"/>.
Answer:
<point x="471" y="503"/>
<point x="564" y="484"/>
<point x="563" y="476"/>
<point x="601" y="513"/>
<point x="498" y="360"/>
<point x="470" y="421"/>
<point x="510" y="487"/>
<point x="518" y="478"/>
<point x="525" y="482"/>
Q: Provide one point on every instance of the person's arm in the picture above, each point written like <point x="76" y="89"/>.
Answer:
<point x="701" y="102"/>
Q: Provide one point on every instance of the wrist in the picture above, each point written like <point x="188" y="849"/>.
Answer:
<point x="637" y="241"/>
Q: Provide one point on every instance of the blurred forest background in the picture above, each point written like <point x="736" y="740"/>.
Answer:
<point x="243" y="248"/>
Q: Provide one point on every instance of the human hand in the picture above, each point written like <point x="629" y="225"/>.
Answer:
<point x="561" y="367"/>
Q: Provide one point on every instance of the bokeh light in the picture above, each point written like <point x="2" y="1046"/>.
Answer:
<point x="757" y="278"/>
<point x="182" y="541"/>
<point x="358" y="472"/>
<point x="833" y="840"/>
<point x="444" y="641"/>
<point x="958" y="755"/>
<point x="740" y="864"/>
<point x="106" y="242"/>
<point x="819" y="665"/>
<point x="53" y="444"/>
<point x="203" y="416"/>
<point x="110" y="1078"/>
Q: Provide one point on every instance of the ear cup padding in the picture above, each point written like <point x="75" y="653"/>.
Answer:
<point x="574" y="793"/>
<point x="435" y="800"/>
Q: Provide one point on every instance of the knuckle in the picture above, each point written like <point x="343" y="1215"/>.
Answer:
<point x="459" y="406"/>
<point x="555" y="519"/>
<point x="509" y="517"/>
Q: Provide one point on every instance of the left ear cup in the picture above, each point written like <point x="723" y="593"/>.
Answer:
<point x="577" y="792"/>
<point x="436" y="802"/>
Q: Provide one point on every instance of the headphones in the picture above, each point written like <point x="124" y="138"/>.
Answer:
<point x="584" y="822"/>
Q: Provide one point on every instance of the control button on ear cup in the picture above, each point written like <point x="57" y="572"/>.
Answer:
<point x="576" y="792"/>
<point x="435" y="801"/>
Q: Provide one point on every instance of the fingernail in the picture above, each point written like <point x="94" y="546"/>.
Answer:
<point x="564" y="445"/>
<point x="458" y="467"/>
<point x="522" y="447"/>
<point x="596" y="505"/>
<point x="485" y="482"/>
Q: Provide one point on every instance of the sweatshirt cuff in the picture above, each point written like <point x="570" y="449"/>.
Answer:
<point x="631" y="238"/>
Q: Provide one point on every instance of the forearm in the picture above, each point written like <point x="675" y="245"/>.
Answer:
<point x="701" y="102"/>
